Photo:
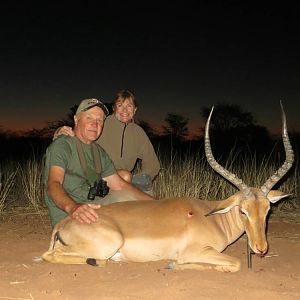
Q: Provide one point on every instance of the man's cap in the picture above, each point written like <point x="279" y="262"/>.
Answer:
<point x="89" y="103"/>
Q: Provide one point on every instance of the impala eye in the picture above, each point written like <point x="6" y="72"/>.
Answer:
<point x="243" y="213"/>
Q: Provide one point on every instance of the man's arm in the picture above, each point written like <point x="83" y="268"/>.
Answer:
<point x="83" y="213"/>
<point x="116" y="183"/>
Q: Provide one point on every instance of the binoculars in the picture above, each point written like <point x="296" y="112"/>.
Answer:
<point x="99" y="188"/>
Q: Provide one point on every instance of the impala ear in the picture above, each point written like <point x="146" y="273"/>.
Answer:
<point x="225" y="206"/>
<point x="275" y="196"/>
<point x="219" y="211"/>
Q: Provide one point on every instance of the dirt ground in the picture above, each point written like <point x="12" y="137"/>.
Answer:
<point x="25" y="236"/>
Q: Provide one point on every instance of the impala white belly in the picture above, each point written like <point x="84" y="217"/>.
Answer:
<point x="142" y="250"/>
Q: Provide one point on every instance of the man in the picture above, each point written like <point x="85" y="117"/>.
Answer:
<point x="71" y="169"/>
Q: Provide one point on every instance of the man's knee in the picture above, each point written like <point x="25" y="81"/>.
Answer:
<point x="142" y="182"/>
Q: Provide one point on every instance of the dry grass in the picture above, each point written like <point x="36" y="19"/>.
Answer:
<point x="31" y="179"/>
<point x="7" y="180"/>
<point x="193" y="177"/>
<point x="188" y="176"/>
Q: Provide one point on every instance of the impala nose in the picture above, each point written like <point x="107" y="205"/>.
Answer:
<point x="261" y="250"/>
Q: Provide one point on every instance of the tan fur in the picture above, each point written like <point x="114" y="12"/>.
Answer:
<point x="175" y="229"/>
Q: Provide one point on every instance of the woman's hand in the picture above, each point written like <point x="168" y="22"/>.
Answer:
<point x="65" y="130"/>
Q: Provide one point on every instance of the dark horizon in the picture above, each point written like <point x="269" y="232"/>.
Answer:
<point x="176" y="59"/>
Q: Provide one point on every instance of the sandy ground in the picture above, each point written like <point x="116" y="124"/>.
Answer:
<point x="23" y="237"/>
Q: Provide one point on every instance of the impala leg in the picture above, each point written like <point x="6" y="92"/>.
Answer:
<point x="75" y="243"/>
<point x="63" y="256"/>
<point x="188" y="266"/>
<point x="194" y="257"/>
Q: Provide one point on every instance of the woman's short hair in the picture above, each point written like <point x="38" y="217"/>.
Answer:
<point x="123" y="95"/>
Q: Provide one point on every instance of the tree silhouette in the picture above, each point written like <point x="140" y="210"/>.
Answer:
<point x="231" y="126"/>
<point x="151" y="133"/>
<point x="177" y="126"/>
<point x="228" y="116"/>
<point x="51" y="126"/>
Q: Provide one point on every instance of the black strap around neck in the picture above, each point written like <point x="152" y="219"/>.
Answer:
<point x="96" y="157"/>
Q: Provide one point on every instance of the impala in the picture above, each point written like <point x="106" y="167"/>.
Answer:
<point x="191" y="233"/>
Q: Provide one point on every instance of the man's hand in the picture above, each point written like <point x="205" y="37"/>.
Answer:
<point x="85" y="213"/>
<point x="65" y="130"/>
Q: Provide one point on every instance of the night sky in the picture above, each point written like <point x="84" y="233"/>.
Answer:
<point x="176" y="58"/>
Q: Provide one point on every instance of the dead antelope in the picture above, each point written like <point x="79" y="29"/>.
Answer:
<point x="191" y="233"/>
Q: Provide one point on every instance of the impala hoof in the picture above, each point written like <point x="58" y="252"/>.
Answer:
<point x="91" y="262"/>
<point x="170" y="265"/>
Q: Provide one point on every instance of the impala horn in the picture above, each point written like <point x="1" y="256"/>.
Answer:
<point x="217" y="167"/>
<point x="289" y="158"/>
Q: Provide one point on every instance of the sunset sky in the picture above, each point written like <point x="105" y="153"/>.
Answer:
<point x="176" y="58"/>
